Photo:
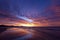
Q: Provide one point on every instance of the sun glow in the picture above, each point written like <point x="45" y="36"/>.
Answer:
<point x="32" y="24"/>
<point x="28" y="25"/>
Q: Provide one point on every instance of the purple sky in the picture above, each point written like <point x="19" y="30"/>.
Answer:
<point x="43" y="11"/>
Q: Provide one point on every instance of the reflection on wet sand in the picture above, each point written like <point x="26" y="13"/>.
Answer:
<point x="30" y="34"/>
<point x="17" y="32"/>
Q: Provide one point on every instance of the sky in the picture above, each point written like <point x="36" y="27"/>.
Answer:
<point x="44" y="12"/>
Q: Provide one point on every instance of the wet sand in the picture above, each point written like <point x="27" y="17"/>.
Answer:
<point x="44" y="33"/>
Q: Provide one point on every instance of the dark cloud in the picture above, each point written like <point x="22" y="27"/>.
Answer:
<point x="3" y="15"/>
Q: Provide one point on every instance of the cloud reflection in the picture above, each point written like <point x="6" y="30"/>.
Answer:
<point x="21" y="33"/>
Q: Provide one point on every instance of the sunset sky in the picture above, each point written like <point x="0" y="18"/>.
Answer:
<point x="35" y="12"/>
